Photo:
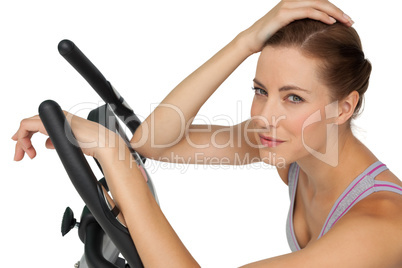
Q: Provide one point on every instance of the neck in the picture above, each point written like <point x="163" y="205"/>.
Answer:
<point x="328" y="180"/>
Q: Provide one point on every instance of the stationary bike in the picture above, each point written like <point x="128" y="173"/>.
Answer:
<point x="107" y="242"/>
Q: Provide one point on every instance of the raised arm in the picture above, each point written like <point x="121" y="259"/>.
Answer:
<point x="172" y="130"/>
<point x="171" y="121"/>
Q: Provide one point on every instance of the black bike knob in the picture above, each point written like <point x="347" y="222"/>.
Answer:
<point x="68" y="221"/>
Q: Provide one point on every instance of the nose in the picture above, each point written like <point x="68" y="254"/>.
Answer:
<point x="267" y="115"/>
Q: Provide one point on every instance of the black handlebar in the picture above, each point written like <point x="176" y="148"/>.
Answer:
<point x="84" y="180"/>
<point x="86" y="68"/>
<point x="98" y="82"/>
<point x="68" y="149"/>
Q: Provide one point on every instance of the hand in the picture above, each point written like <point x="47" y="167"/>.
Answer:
<point x="290" y="10"/>
<point x="90" y="136"/>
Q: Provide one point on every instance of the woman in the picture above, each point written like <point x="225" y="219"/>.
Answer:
<point x="346" y="208"/>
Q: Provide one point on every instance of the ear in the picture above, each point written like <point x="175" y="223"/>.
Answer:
<point x="347" y="107"/>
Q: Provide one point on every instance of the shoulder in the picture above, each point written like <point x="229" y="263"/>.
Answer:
<point x="384" y="209"/>
<point x="368" y="235"/>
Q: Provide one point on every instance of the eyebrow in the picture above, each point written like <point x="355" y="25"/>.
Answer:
<point x="283" y="88"/>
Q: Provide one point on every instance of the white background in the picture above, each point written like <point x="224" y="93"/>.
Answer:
<point x="225" y="216"/>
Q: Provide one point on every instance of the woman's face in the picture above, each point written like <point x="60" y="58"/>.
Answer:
<point x="291" y="108"/>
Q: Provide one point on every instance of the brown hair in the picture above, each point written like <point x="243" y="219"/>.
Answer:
<point x="344" y="68"/>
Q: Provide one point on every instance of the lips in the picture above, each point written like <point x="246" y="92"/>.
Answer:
<point x="270" y="142"/>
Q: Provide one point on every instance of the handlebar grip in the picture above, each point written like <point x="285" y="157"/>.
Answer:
<point x="83" y="178"/>
<point x="68" y="149"/>
<point x="88" y="70"/>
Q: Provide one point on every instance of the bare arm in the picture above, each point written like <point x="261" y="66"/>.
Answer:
<point x="368" y="235"/>
<point x="169" y="128"/>
<point x="155" y="239"/>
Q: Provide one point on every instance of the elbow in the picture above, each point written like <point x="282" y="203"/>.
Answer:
<point x="142" y="144"/>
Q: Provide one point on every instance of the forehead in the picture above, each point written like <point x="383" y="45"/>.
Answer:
<point x="281" y="66"/>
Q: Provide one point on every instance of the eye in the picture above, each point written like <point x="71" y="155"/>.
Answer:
<point x="294" y="99"/>
<point x="259" y="91"/>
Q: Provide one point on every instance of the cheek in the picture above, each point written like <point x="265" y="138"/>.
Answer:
<point x="256" y="113"/>
<point x="256" y="107"/>
<point x="294" y="125"/>
<point x="302" y="133"/>
<point x="314" y="132"/>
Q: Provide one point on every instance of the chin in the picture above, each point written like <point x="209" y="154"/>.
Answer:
<point x="273" y="159"/>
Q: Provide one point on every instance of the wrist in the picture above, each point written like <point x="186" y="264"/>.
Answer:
<point x="247" y="40"/>
<point x="243" y="42"/>
<point x="111" y="147"/>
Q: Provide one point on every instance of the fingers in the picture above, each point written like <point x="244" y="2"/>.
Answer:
<point x="49" y="144"/>
<point x="87" y="134"/>
<point x="320" y="10"/>
<point x="307" y="12"/>
<point x="333" y="11"/>
<point x="28" y="127"/>
<point x="19" y="153"/>
<point x="22" y="147"/>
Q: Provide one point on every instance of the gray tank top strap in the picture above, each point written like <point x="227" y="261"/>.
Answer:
<point x="293" y="176"/>
<point x="360" y="188"/>
<point x="387" y="186"/>
<point x="364" y="185"/>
